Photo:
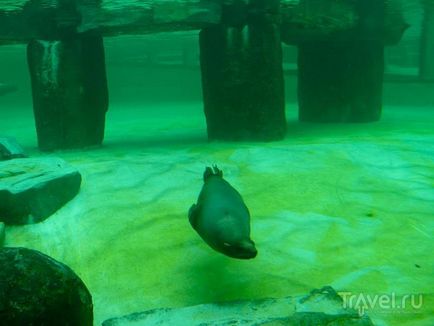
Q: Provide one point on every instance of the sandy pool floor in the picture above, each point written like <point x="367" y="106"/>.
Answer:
<point x="350" y="206"/>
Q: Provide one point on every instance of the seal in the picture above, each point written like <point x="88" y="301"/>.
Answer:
<point x="221" y="217"/>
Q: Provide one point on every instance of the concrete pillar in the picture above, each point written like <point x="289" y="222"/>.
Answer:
<point x="426" y="70"/>
<point x="242" y="77"/>
<point x="340" y="82"/>
<point x="70" y="95"/>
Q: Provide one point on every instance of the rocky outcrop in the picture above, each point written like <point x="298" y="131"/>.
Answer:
<point x="31" y="189"/>
<point x="9" y="149"/>
<point x="38" y="290"/>
<point x="320" y="307"/>
<point x="324" y="307"/>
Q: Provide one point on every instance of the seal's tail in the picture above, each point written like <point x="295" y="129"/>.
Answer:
<point x="212" y="171"/>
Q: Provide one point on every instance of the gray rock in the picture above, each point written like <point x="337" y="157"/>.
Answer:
<point x="37" y="290"/>
<point x="9" y="149"/>
<point x="320" y="307"/>
<point x="31" y="189"/>
<point x="2" y="234"/>
<point x="324" y="307"/>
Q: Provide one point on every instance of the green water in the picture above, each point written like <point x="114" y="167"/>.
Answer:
<point x="347" y="205"/>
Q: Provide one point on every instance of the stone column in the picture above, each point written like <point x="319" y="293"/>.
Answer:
<point x="426" y="70"/>
<point x="70" y="95"/>
<point x="342" y="81"/>
<point x="242" y="77"/>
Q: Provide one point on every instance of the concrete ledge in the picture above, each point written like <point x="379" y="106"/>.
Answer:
<point x="320" y="307"/>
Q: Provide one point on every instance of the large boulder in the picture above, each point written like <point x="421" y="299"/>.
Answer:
<point x="320" y="307"/>
<point x="38" y="290"/>
<point x="325" y="307"/>
<point x="31" y="189"/>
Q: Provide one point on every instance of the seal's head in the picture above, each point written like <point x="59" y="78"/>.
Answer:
<point x="244" y="249"/>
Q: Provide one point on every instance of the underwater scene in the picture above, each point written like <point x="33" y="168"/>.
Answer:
<point x="209" y="162"/>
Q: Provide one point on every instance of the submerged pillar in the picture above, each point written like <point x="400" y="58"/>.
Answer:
<point x="70" y="95"/>
<point x="242" y="76"/>
<point x="426" y="70"/>
<point x="342" y="81"/>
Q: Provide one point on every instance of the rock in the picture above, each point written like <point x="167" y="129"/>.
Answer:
<point x="326" y="307"/>
<point x="246" y="313"/>
<point x="2" y="234"/>
<point x="320" y="307"/>
<point x="38" y="290"/>
<point x="31" y="189"/>
<point x="9" y="149"/>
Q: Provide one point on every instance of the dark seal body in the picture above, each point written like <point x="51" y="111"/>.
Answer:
<point x="221" y="217"/>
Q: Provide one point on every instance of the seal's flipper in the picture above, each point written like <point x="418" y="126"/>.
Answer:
<point x="192" y="215"/>
<point x="213" y="171"/>
<point x="217" y="171"/>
